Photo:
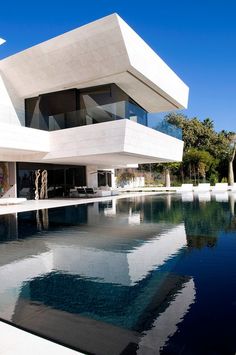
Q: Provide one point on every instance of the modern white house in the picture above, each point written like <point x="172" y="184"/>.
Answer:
<point x="78" y="106"/>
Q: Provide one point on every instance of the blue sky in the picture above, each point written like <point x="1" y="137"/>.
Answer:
<point x="197" y="39"/>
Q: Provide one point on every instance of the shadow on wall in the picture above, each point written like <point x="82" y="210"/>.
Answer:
<point x="10" y="103"/>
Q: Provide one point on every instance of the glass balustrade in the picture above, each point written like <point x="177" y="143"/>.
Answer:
<point x="91" y="115"/>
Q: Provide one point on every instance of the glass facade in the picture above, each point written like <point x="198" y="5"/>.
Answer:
<point x="60" y="179"/>
<point x="104" y="178"/>
<point x="80" y="107"/>
<point x="73" y="108"/>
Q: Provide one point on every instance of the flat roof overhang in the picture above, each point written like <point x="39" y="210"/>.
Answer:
<point x="104" y="51"/>
<point x="108" y="144"/>
<point x="21" y="143"/>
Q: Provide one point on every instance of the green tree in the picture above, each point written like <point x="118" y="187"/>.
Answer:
<point x="198" y="162"/>
<point x="231" y="138"/>
<point x="123" y="176"/>
<point x="202" y="136"/>
<point x="207" y="154"/>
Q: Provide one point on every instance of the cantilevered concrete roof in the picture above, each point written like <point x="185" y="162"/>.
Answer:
<point x="104" y="51"/>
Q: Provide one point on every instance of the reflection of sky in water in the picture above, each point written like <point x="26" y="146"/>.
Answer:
<point x="137" y="266"/>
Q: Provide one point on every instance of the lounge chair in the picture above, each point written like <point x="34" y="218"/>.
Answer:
<point x="12" y="200"/>
<point x="185" y="188"/>
<point x="233" y="187"/>
<point x="81" y="191"/>
<point x="115" y="192"/>
<point x="220" y="187"/>
<point x="90" y="192"/>
<point x="25" y="192"/>
<point x="103" y="193"/>
<point x="202" y="187"/>
<point x="73" y="192"/>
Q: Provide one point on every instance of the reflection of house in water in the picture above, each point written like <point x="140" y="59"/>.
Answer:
<point x="165" y="325"/>
<point x="61" y="279"/>
<point x="8" y="227"/>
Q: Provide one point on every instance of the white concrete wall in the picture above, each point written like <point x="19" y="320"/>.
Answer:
<point x="11" y="106"/>
<point x="104" y="51"/>
<point x="105" y="145"/>
<point x="113" y="143"/>
<point x="145" y="141"/>
<point x="147" y="65"/>
<point x="21" y="143"/>
<point x="86" y="54"/>
<point x="102" y="138"/>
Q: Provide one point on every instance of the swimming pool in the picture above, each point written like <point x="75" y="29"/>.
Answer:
<point x="142" y="275"/>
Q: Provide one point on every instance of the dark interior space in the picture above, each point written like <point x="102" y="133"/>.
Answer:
<point x="60" y="179"/>
<point x="79" y="107"/>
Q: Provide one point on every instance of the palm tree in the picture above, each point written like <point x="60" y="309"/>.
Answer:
<point x="231" y="159"/>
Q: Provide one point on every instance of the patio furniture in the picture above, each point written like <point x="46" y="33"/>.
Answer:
<point x="233" y="187"/>
<point x="202" y="187"/>
<point x="220" y="187"/>
<point x="103" y="193"/>
<point x="81" y="191"/>
<point x="12" y="201"/>
<point x="25" y="192"/>
<point x="73" y="192"/>
<point x="185" y="188"/>
<point x="90" y="192"/>
<point x="115" y="192"/>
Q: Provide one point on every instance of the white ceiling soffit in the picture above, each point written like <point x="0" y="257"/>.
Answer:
<point x="101" y="52"/>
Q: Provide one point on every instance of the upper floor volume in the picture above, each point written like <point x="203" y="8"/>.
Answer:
<point x="102" y="72"/>
<point x="102" y="52"/>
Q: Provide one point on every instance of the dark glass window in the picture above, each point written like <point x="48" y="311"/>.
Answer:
<point x="60" y="179"/>
<point x="79" y="107"/>
<point x="52" y="111"/>
<point x="104" y="178"/>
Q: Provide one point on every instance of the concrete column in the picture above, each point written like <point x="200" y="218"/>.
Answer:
<point x="113" y="180"/>
<point x="92" y="176"/>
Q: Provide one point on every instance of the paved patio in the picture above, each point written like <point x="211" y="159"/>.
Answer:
<point x="31" y="205"/>
<point x="18" y="342"/>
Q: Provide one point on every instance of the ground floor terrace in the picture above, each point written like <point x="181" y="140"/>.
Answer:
<point x="19" y="179"/>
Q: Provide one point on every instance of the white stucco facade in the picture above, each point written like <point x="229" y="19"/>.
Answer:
<point x="106" y="51"/>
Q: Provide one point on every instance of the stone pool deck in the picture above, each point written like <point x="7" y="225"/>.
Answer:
<point x="14" y="341"/>
<point x="31" y="205"/>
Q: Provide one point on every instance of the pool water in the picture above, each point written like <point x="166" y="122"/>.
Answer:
<point x="141" y="275"/>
